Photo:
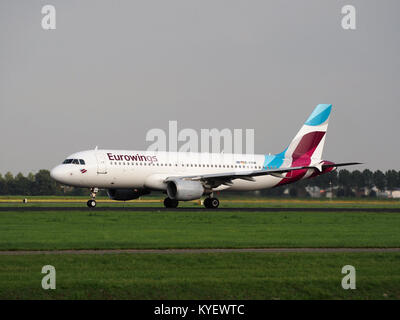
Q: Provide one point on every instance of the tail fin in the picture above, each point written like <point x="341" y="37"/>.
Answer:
<point x="307" y="145"/>
<point x="309" y="142"/>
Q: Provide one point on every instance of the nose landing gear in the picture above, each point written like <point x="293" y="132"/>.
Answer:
<point x="92" y="202"/>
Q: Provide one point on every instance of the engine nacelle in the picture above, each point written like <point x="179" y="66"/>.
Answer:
<point x="184" y="189"/>
<point x="126" y="194"/>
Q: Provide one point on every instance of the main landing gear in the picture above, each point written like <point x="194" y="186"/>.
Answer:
<point x="211" y="203"/>
<point x="170" y="203"/>
<point x="92" y="202"/>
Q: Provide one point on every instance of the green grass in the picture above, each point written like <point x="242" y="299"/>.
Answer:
<point x="202" y="276"/>
<point x="198" y="276"/>
<point x="182" y="229"/>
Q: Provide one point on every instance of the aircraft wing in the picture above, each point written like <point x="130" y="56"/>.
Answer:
<point x="215" y="179"/>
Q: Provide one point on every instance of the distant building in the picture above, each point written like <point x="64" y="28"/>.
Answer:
<point x="380" y="194"/>
<point x="314" y="192"/>
<point x="395" y="194"/>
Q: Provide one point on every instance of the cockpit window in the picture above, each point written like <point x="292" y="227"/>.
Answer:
<point x="74" y="161"/>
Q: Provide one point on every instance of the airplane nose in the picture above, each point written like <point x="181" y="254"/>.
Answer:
<point x="56" y="173"/>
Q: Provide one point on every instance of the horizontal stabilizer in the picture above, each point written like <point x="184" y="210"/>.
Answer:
<point x="333" y="165"/>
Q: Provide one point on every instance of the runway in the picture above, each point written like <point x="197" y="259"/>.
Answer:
<point x="194" y="251"/>
<point x="201" y="209"/>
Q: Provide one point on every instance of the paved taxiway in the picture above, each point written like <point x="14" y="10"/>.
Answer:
<point x="200" y="209"/>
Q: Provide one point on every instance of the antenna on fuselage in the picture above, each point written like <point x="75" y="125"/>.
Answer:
<point x="95" y="148"/>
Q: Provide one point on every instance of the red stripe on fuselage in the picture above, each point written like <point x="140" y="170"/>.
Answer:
<point x="292" y="176"/>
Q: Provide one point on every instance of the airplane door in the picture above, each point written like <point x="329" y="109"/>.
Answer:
<point x="101" y="163"/>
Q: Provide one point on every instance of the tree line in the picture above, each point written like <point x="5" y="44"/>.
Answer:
<point x="39" y="184"/>
<point x="345" y="183"/>
<point x="342" y="183"/>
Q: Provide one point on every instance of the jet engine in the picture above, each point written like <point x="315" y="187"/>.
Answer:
<point x="180" y="189"/>
<point x="126" y="194"/>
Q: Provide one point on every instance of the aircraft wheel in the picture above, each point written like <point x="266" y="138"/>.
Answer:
<point x="211" y="203"/>
<point x="91" y="203"/>
<point x="214" y="202"/>
<point x="170" y="203"/>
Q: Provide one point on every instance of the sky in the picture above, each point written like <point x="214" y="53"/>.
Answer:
<point x="113" y="70"/>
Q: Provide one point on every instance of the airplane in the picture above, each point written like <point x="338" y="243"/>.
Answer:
<point x="184" y="176"/>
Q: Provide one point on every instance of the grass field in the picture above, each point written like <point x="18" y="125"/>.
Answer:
<point x="88" y="229"/>
<point x="204" y="275"/>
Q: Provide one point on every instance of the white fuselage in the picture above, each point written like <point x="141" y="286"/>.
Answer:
<point x="111" y="169"/>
